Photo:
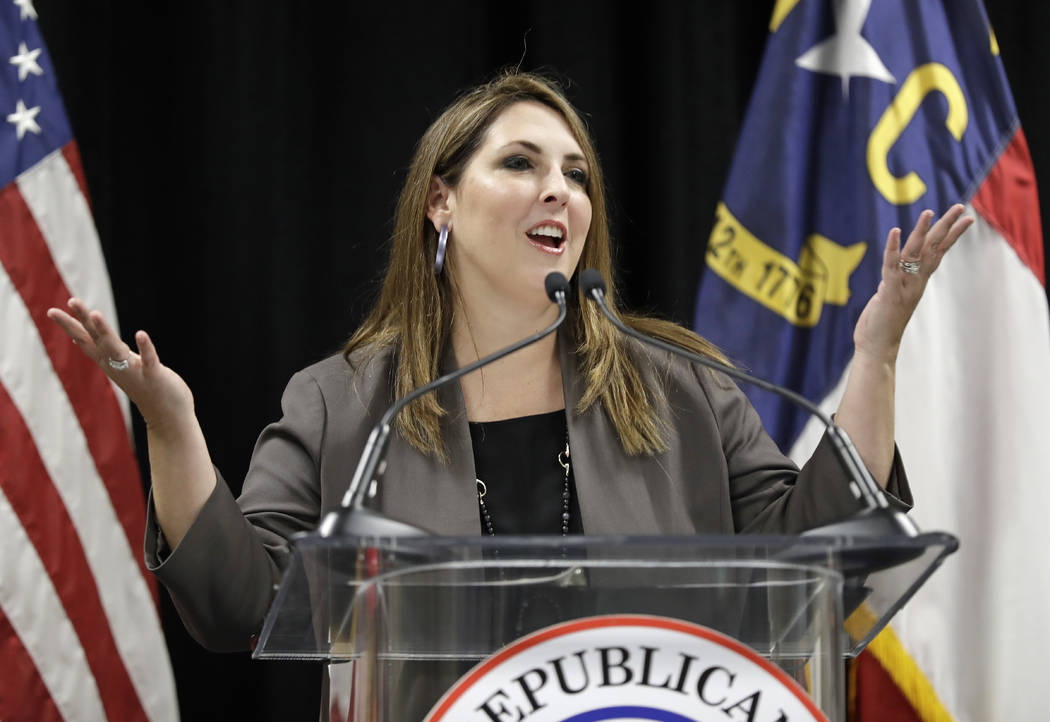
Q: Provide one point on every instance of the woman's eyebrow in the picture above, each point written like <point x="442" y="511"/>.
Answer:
<point x="529" y="145"/>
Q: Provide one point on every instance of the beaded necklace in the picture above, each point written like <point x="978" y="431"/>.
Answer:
<point x="563" y="461"/>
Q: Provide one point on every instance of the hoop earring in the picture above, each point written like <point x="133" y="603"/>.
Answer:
<point x="439" y="260"/>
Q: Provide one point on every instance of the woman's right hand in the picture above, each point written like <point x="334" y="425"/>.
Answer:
<point x="160" y="394"/>
<point x="180" y="467"/>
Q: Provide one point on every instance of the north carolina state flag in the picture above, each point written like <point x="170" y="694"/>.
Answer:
<point x="865" y="114"/>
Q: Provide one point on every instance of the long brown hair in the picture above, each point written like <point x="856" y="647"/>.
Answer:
<point x="413" y="314"/>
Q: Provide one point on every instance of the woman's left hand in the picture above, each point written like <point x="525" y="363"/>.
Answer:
<point x="882" y="322"/>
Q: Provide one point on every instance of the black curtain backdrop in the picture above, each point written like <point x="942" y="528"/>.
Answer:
<point x="244" y="159"/>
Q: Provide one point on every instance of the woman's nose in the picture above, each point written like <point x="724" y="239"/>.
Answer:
<point x="555" y="189"/>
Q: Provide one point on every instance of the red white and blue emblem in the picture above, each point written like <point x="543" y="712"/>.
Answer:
<point x="623" y="668"/>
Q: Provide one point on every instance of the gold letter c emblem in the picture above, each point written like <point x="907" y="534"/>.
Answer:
<point x="919" y="83"/>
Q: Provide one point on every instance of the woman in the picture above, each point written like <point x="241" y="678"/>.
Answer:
<point x="504" y="188"/>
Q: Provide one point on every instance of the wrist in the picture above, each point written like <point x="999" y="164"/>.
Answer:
<point x="886" y="356"/>
<point x="172" y="427"/>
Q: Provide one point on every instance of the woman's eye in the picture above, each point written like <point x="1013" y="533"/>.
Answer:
<point x="517" y="162"/>
<point x="577" y="175"/>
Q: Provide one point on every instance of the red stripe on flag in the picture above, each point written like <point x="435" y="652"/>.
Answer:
<point x="876" y="697"/>
<point x="27" y="259"/>
<point x="46" y="522"/>
<point x="23" y="694"/>
<point x="71" y="152"/>
<point x="1009" y="201"/>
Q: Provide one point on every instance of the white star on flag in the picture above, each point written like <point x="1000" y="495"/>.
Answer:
<point x="28" y="11"/>
<point x="846" y="53"/>
<point x="24" y="119"/>
<point x="26" y="62"/>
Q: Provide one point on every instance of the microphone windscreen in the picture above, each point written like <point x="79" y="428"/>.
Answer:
<point x="555" y="282"/>
<point x="590" y="280"/>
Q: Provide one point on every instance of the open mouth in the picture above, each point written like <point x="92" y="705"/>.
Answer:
<point x="548" y="237"/>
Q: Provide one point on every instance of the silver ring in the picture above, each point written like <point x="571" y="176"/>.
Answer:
<point x="911" y="267"/>
<point x="118" y="365"/>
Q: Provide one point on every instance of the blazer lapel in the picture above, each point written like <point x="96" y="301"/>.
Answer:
<point x="610" y="486"/>
<point x="421" y="490"/>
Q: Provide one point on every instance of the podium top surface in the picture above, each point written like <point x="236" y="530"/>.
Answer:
<point x="762" y="588"/>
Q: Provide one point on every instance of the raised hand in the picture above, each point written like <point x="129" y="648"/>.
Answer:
<point x="905" y="273"/>
<point x="161" y="396"/>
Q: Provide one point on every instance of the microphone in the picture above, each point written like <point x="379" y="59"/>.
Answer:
<point x="876" y="519"/>
<point x="352" y="517"/>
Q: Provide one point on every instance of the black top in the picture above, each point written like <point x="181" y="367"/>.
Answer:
<point x="518" y="461"/>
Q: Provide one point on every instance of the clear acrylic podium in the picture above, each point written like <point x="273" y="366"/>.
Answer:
<point x="410" y="616"/>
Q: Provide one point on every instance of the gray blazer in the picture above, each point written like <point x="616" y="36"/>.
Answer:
<point x="722" y="474"/>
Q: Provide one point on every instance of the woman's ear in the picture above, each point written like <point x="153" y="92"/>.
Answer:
<point x="439" y="203"/>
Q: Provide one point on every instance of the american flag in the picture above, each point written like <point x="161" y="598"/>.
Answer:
<point x="80" y="637"/>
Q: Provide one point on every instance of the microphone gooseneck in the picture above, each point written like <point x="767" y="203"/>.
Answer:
<point x="878" y="516"/>
<point x="353" y="517"/>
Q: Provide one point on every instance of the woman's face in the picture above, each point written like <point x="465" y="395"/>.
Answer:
<point x="520" y="209"/>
